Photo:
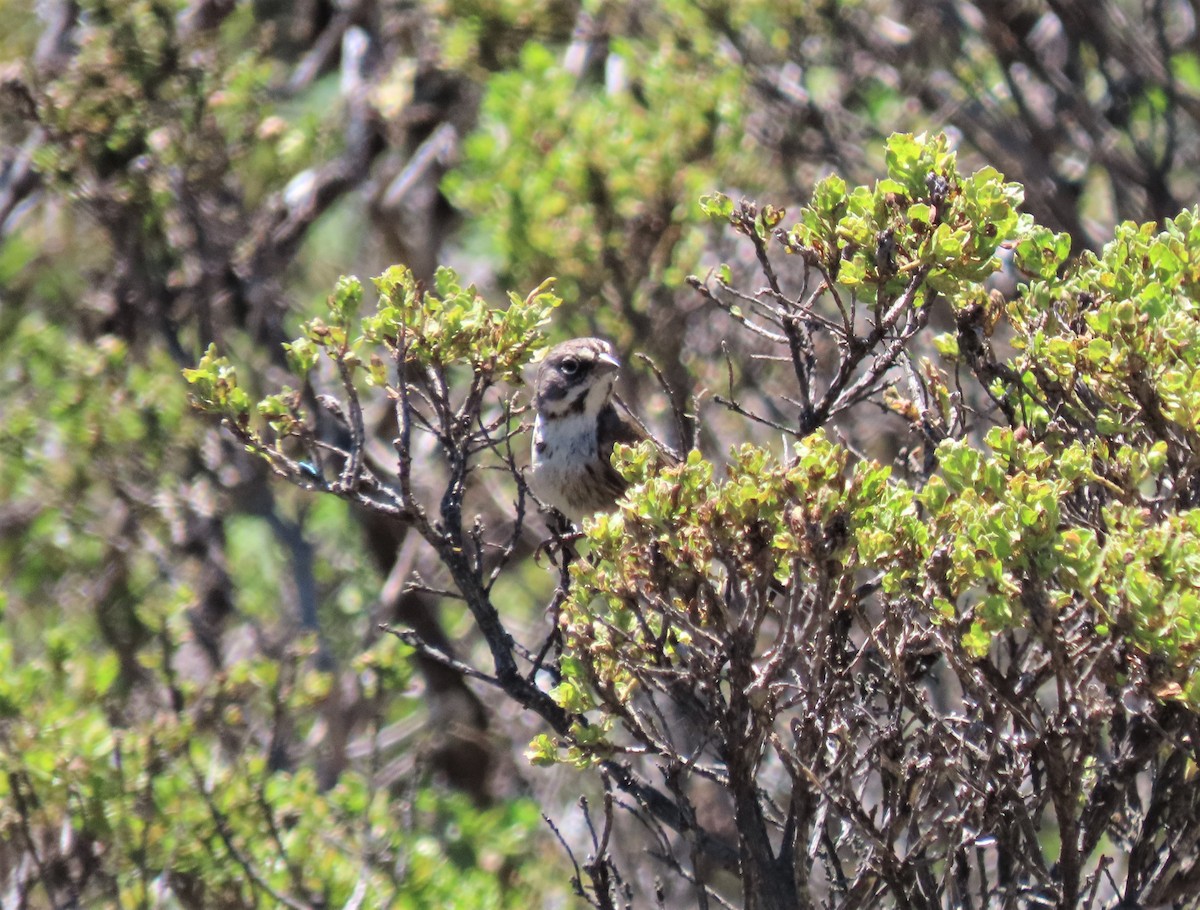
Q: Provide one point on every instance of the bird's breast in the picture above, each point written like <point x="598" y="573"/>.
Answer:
<point x="566" y="463"/>
<point x="563" y="443"/>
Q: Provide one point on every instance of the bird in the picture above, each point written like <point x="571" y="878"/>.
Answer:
<point x="578" y="422"/>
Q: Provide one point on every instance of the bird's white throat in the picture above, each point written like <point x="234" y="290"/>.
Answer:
<point x="565" y="456"/>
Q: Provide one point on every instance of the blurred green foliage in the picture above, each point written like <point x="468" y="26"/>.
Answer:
<point x="595" y="182"/>
<point x="210" y="817"/>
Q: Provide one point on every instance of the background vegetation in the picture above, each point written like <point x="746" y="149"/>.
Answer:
<point x="915" y="624"/>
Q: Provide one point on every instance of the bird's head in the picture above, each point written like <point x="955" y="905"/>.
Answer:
<point x="576" y="377"/>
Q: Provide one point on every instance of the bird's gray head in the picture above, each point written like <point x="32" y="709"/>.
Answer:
<point x="576" y="377"/>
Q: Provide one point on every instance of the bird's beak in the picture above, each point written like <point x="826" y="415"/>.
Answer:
<point x="608" y="362"/>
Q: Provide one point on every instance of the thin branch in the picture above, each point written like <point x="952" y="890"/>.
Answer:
<point x="416" y="642"/>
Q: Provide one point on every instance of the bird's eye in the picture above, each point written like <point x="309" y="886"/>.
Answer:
<point x="569" y="366"/>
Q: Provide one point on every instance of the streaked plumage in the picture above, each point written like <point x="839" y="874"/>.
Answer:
<point x="577" y="424"/>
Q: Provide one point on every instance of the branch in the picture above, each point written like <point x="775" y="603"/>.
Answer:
<point x="417" y="643"/>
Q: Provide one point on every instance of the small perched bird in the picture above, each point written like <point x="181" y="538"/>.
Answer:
<point x="578" y="422"/>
